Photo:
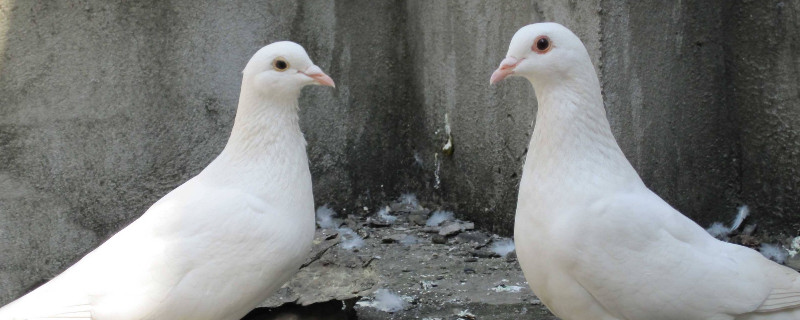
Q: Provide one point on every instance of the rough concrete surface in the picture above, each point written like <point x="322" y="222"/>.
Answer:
<point x="764" y="74"/>
<point x="105" y="106"/>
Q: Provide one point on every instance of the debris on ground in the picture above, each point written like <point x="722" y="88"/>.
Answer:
<point x="774" y="247"/>
<point x="405" y="261"/>
<point x="386" y="301"/>
<point x="773" y="252"/>
<point x="437" y="268"/>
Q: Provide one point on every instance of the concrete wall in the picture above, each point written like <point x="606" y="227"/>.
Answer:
<point x="763" y="58"/>
<point x="105" y="106"/>
<point x="666" y="91"/>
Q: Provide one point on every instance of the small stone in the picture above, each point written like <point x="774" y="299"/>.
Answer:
<point x="450" y="229"/>
<point x="456" y="227"/>
<point x="395" y="238"/>
<point x="484" y="254"/>
<point x="469" y="271"/>
<point x="475" y="239"/>
<point x="471" y="259"/>
<point x="330" y="236"/>
<point x="419" y="217"/>
<point x="511" y="256"/>
<point x="378" y="223"/>
<point x="536" y="302"/>
<point x="431" y="229"/>
<point x="439" y="239"/>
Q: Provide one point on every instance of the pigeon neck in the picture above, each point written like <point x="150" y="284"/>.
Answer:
<point x="265" y="127"/>
<point x="572" y="137"/>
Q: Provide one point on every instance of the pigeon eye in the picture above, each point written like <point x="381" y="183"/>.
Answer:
<point x="542" y="44"/>
<point x="280" y="64"/>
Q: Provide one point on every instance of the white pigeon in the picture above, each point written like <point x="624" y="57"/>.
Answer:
<point x="221" y="243"/>
<point x="593" y="241"/>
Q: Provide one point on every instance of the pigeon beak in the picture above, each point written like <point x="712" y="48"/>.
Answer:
<point x="506" y="69"/>
<point x="319" y="77"/>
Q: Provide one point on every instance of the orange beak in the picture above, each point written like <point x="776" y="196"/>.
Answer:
<point x="506" y="69"/>
<point x="319" y="77"/>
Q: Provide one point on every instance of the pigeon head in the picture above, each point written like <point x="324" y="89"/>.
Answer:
<point x="542" y="52"/>
<point x="283" y="68"/>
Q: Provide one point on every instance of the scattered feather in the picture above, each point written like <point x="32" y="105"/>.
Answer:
<point x="385" y="301"/>
<point x="794" y="248"/>
<point x="437" y="179"/>
<point x="718" y="230"/>
<point x="502" y="247"/>
<point x="325" y="218"/>
<point x="383" y="214"/>
<point x="505" y="288"/>
<point x="438" y="217"/>
<point x="350" y="239"/>
<point x="410" y="200"/>
<point x="465" y="314"/>
<point x="418" y="159"/>
<point x="740" y="216"/>
<point x="773" y="252"/>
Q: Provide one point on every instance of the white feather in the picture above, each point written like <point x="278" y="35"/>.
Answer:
<point x="350" y="239"/>
<point x="384" y="215"/>
<point x="438" y="217"/>
<point x="743" y="212"/>
<point x="502" y="247"/>
<point x="773" y="252"/>
<point x="325" y="218"/>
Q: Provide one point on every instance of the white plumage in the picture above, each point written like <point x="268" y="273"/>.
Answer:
<point x="593" y="241"/>
<point x="221" y="243"/>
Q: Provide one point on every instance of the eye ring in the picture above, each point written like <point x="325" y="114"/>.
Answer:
<point x="280" y="64"/>
<point x="542" y="44"/>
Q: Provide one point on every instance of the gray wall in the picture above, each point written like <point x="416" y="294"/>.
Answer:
<point x="105" y="106"/>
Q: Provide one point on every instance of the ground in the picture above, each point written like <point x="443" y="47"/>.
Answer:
<point x="404" y="269"/>
<point x="405" y="262"/>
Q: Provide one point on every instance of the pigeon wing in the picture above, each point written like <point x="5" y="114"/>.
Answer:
<point x="648" y="261"/>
